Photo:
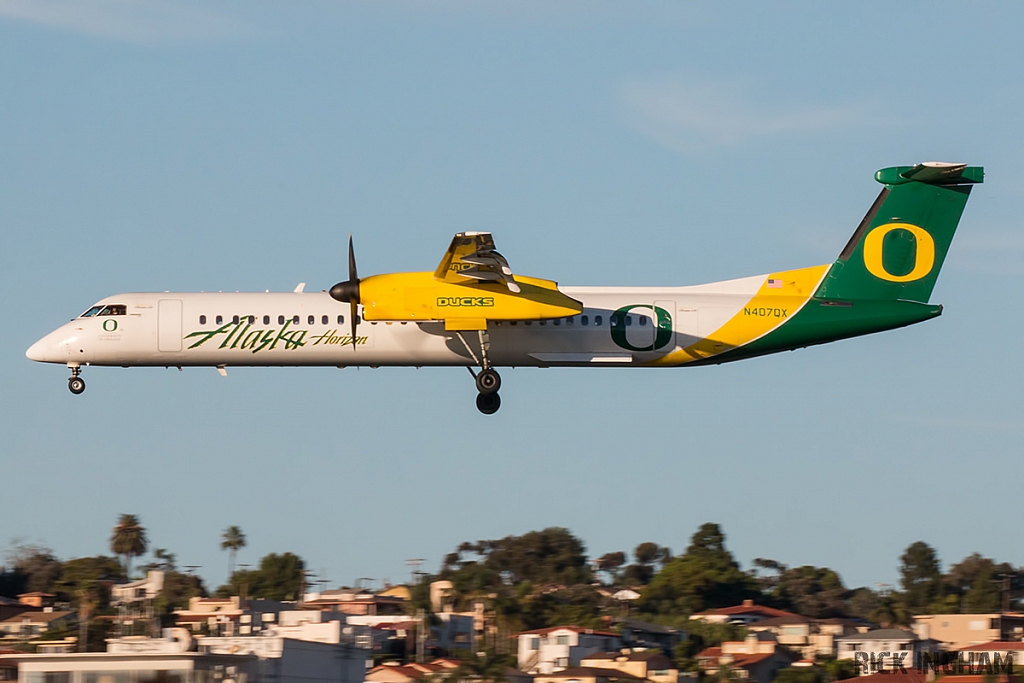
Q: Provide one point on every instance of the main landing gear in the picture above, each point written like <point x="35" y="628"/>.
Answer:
<point x="488" y="381"/>
<point x="76" y="384"/>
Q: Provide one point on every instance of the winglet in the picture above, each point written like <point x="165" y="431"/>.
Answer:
<point x="299" y="287"/>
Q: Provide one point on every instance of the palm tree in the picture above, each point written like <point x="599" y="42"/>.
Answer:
<point x="128" y="541"/>
<point x="233" y="540"/>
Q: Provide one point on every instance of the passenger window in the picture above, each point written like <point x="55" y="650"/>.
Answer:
<point x="91" y="312"/>
<point x="252" y="319"/>
<point x="202" y="320"/>
<point x="597" y="320"/>
<point x="584" y="320"/>
<point x="513" y="322"/>
<point x="266" y="320"/>
<point x="311" y="320"/>
<point x="295" y="320"/>
<point x="568" y="321"/>
<point x="220" y="319"/>
<point x="556" y="321"/>
<point x="528" y="322"/>
<point x="323" y="320"/>
<point x="643" y="320"/>
<point x="114" y="309"/>
<point x="280" y="320"/>
<point x="341" y="320"/>
<point x="629" y="320"/>
<point x="543" y="322"/>
<point x="234" y="320"/>
<point x="358" y="319"/>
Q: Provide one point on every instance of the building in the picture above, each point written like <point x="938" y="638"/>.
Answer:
<point x="642" y="635"/>
<point x="30" y="625"/>
<point x="812" y="638"/>
<point x="138" y="591"/>
<point x="37" y="600"/>
<point x="903" y="647"/>
<point x="105" y="667"/>
<point x="757" y="658"/>
<point x="650" y="665"/>
<point x="355" y="602"/>
<point x="229" y="616"/>
<point x="957" y="631"/>
<point x="548" y="650"/>
<point x="996" y="654"/>
<point x="745" y="613"/>
<point x="587" y="674"/>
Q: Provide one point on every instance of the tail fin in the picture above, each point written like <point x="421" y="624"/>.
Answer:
<point x="898" y="249"/>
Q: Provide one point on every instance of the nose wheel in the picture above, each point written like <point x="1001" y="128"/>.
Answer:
<point x="76" y="384"/>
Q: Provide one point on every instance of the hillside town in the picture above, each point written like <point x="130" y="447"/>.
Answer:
<point x="523" y="609"/>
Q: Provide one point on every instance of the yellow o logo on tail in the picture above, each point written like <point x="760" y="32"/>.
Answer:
<point x="924" y="258"/>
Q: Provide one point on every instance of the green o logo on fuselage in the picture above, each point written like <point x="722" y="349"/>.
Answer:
<point x="109" y="325"/>
<point x="662" y="335"/>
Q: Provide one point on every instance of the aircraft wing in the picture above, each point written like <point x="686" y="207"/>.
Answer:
<point x="472" y="257"/>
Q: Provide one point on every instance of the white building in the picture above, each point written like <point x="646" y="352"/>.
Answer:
<point x="106" y="667"/>
<point x="548" y="650"/>
<point x="901" y="648"/>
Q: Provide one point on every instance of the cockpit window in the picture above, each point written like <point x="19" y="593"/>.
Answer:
<point x="114" y="309"/>
<point x="91" y="312"/>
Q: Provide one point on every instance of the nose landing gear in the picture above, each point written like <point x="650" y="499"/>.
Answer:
<point x="76" y="384"/>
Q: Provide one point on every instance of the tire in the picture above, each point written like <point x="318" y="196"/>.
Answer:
<point x="76" y="385"/>
<point x="488" y="382"/>
<point x="488" y="404"/>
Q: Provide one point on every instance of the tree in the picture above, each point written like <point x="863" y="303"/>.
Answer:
<point x="813" y="592"/>
<point x="128" y="540"/>
<point x="33" y="568"/>
<point x="233" y="539"/>
<point x="646" y="555"/>
<point x="920" y="576"/>
<point x="610" y="563"/>
<point x="279" y="577"/>
<point x="706" y="576"/>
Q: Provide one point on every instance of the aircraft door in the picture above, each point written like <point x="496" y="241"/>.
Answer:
<point x="663" y="323"/>
<point x="169" y="325"/>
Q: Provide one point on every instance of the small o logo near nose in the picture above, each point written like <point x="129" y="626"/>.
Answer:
<point x="874" y="252"/>
<point x="109" y="325"/>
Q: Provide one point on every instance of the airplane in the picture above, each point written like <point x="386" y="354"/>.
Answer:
<point x="473" y="311"/>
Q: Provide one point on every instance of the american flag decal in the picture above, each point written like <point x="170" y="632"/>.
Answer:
<point x="774" y="284"/>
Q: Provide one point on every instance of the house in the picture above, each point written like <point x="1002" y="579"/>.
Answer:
<point x="999" y="655"/>
<point x="355" y="602"/>
<point x="757" y="658"/>
<point x="547" y="650"/>
<point x="230" y="616"/>
<point x="9" y="669"/>
<point x="650" y="665"/>
<point x="155" y="666"/>
<point x="745" y="613"/>
<point x="437" y="669"/>
<point x="812" y="638"/>
<point x="903" y="647"/>
<point x="587" y="674"/>
<point x="957" y="631"/>
<point x="640" y="634"/>
<point x="37" y="600"/>
<point x="138" y="591"/>
<point x="29" y="625"/>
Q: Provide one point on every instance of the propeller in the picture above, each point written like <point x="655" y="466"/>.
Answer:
<point x="349" y="290"/>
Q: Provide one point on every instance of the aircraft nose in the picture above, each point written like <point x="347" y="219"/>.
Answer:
<point x="44" y="351"/>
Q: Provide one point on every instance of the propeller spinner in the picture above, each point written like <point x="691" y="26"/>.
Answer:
<point x="349" y="290"/>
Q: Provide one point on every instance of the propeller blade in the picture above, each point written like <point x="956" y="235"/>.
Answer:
<point x="353" y="308"/>
<point x="353" y="276"/>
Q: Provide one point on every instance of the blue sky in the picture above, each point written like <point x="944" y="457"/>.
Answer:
<point x="154" y="145"/>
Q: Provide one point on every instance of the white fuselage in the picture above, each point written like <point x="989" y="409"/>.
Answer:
<point x="292" y="329"/>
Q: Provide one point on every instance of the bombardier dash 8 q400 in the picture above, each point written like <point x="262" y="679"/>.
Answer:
<point x="473" y="311"/>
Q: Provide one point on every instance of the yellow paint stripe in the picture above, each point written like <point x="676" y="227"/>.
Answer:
<point x="758" y="317"/>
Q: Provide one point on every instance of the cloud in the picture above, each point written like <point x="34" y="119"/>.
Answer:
<point x="688" y="115"/>
<point x="141" y="22"/>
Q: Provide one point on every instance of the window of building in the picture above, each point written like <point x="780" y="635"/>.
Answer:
<point x="324" y="320"/>
<point x="563" y="640"/>
<point x="534" y="643"/>
<point x="266" y="320"/>
<point x="220" y="320"/>
<point x="202" y="320"/>
<point x="562" y="662"/>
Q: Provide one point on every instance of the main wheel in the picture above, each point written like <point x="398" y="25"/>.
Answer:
<point x="488" y="404"/>
<point x="488" y="382"/>
<point x="76" y="385"/>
